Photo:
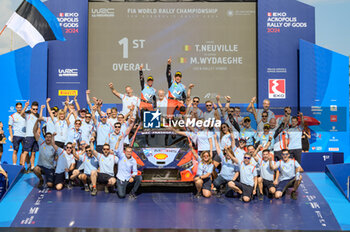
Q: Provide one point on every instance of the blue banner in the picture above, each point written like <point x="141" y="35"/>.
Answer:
<point x="25" y="78"/>
<point x="67" y="64"/>
<point x="324" y="95"/>
<point x="280" y="26"/>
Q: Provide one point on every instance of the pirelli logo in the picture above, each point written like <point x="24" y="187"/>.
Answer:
<point x="67" y="92"/>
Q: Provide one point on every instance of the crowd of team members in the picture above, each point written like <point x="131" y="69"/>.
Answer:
<point x="82" y="147"/>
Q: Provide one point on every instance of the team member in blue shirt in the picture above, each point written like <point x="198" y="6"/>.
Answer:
<point x="248" y="178"/>
<point x="229" y="170"/>
<point x="105" y="175"/>
<point x="148" y="93"/>
<point x="202" y="180"/>
<point x="47" y="150"/>
<point x="65" y="164"/>
<point x="127" y="172"/>
<point x="290" y="176"/>
<point x="90" y="163"/>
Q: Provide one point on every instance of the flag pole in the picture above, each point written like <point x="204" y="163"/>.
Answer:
<point x="3" y="29"/>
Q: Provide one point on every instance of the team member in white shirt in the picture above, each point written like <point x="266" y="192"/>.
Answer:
<point x="65" y="164"/>
<point x="128" y="99"/>
<point x="17" y="129"/>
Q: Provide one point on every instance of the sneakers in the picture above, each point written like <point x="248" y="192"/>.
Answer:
<point x="94" y="192"/>
<point x="86" y="187"/>
<point x="106" y="189"/>
<point x="261" y="197"/>
<point x="41" y="184"/>
<point x="132" y="196"/>
<point x="293" y="195"/>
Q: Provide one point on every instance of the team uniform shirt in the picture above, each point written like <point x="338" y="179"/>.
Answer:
<point x="90" y="163"/>
<point x="225" y="140"/>
<point x="239" y="154"/>
<point x="123" y="129"/>
<point x="148" y="93"/>
<point x="61" y="130"/>
<point x="50" y="125"/>
<point x="176" y="90"/>
<point x="86" y="131"/>
<point x="204" y="168"/>
<point x="201" y="138"/>
<point x="280" y="141"/>
<point x="248" y="133"/>
<point x="259" y="112"/>
<point x="228" y="167"/>
<point x="46" y="155"/>
<point x="112" y="121"/>
<point x="103" y="130"/>
<point x="113" y="139"/>
<point x="247" y="173"/>
<point x="30" y="122"/>
<point x="263" y="139"/>
<point x="265" y="171"/>
<point x="18" y="124"/>
<point x="211" y="115"/>
<point x="295" y="134"/>
<point x="197" y="110"/>
<point x="79" y="164"/>
<point x="128" y="101"/>
<point x="126" y="167"/>
<point x="287" y="169"/>
<point x="162" y="106"/>
<point x="64" y="161"/>
<point x="106" y="163"/>
<point x="74" y="136"/>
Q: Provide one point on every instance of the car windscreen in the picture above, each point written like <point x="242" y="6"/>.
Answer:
<point x="160" y="140"/>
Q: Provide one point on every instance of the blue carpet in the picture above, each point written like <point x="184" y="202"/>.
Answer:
<point x="76" y="208"/>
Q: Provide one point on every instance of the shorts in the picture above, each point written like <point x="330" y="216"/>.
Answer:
<point x="216" y="157"/>
<point x="206" y="183"/>
<point x="268" y="184"/>
<point x="246" y="189"/>
<point x="285" y="184"/>
<point x="30" y="144"/>
<point x="48" y="173"/>
<point x="16" y="141"/>
<point x="103" y="178"/>
<point x="60" y="178"/>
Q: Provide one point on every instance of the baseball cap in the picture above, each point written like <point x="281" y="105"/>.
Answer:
<point x="246" y="119"/>
<point x="266" y="126"/>
<point x="150" y="78"/>
<point x="242" y="139"/>
<point x="178" y="74"/>
<point x="55" y="108"/>
<point x="84" y="109"/>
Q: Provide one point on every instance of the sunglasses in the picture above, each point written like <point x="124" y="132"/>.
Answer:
<point x="77" y="123"/>
<point x="104" y="117"/>
<point x="34" y="108"/>
<point x="105" y="149"/>
<point x="208" y="105"/>
<point x="247" y="158"/>
<point x="82" y="144"/>
<point x="108" y="113"/>
<point x="195" y="101"/>
<point x="69" y="147"/>
<point x="87" y="116"/>
<point x="88" y="150"/>
<point x="264" y="116"/>
<point x="285" y="153"/>
<point x="117" y="126"/>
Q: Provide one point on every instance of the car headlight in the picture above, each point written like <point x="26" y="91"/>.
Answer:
<point x="187" y="165"/>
